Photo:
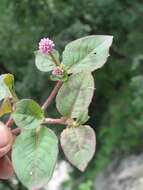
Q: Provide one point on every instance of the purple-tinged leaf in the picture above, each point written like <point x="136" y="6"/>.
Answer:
<point x="78" y="145"/>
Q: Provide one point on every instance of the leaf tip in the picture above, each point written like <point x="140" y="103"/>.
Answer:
<point x="82" y="169"/>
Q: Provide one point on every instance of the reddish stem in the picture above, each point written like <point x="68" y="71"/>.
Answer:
<point x="53" y="121"/>
<point x="9" y="122"/>
<point x="17" y="130"/>
<point x="52" y="95"/>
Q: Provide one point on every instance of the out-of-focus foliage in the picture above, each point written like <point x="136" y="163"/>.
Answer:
<point x="117" y="108"/>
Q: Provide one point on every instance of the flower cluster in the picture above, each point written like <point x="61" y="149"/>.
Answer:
<point x="46" y="45"/>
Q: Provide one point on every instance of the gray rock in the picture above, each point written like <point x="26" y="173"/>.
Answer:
<point x="124" y="175"/>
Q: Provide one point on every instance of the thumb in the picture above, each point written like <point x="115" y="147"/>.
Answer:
<point x="6" y="139"/>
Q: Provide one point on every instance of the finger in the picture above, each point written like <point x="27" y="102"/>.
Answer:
<point x="6" y="139"/>
<point x="6" y="169"/>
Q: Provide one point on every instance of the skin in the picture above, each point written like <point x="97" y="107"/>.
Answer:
<point x="6" y="139"/>
<point x="6" y="169"/>
<point x="4" y="135"/>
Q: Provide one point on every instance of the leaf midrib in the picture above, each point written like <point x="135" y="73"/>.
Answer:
<point x="76" y="97"/>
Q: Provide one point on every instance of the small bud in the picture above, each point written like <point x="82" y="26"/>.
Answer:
<point x="46" y="45"/>
<point x="57" y="71"/>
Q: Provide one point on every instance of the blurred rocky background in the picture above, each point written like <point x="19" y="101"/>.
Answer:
<point x="126" y="174"/>
<point x="117" y="107"/>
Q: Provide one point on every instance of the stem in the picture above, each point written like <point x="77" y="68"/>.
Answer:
<point x="9" y="122"/>
<point x="54" y="60"/>
<point x="52" y="95"/>
<point x="53" y="121"/>
<point x="17" y="130"/>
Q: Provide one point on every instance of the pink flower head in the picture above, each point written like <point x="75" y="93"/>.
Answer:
<point x="57" y="71"/>
<point x="46" y="45"/>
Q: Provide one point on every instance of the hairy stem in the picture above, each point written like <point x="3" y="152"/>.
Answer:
<point x="52" y="95"/>
<point x="53" y="121"/>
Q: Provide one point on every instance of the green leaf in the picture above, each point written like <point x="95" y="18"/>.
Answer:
<point x="78" y="145"/>
<point x="87" y="54"/>
<point x="9" y="80"/>
<point x="6" y="107"/>
<point x="83" y="118"/>
<point x="75" y="95"/>
<point x="34" y="157"/>
<point x="44" y="62"/>
<point x="28" y="114"/>
<point x="6" y="86"/>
